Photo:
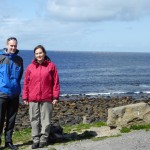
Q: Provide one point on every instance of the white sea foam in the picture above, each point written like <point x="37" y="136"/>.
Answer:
<point x="146" y="92"/>
<point x="144" y="85"/>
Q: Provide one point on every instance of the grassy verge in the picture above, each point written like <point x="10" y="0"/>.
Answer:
<point x="23" y="137"/>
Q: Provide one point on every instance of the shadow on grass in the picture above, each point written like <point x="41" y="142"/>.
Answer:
<point x="61" y="138"/>
<point x="64" y="138"/>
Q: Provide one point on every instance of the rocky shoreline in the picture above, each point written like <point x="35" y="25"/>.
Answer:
<point x="75" y="111"/>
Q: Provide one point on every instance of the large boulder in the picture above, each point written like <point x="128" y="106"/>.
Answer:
<point x="128" y="115"/>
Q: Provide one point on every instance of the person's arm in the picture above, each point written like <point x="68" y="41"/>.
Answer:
<point x="25" y="91"/>
<point x="22" y="69"/>
<point x="56" y="86"/>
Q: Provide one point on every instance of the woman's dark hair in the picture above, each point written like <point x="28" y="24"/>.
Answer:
<point x="43" y="49"/>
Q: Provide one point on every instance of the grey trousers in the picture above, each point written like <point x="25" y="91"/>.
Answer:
<point x="40" y="118"/>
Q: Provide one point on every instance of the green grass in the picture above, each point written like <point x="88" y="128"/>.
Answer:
<point x="139" y="127"/>
<point x="23" y="135"/>
<point x="81" y="126"/>
<point x="135" y="127"/>
<point x="125" y="130"/>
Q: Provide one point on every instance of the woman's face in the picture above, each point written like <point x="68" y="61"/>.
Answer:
<point x="39" y="55"/>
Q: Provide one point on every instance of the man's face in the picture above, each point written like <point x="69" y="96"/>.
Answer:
<point x="11" y="46"/>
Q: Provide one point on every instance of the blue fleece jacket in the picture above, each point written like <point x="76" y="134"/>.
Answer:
<point x="11" y="70"/>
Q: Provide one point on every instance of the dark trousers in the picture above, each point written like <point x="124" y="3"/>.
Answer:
<point x="8" y="111"/>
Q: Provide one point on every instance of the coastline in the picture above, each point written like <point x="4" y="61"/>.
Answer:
<point x="73" y="110"/>
<point x="133" y="95"/>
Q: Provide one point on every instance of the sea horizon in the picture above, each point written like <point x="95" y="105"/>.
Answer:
<point x="84" y="51"/>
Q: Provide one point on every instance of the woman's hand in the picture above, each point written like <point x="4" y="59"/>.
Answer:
<point x="25" y="102"/>
<point x="55" y="101"/>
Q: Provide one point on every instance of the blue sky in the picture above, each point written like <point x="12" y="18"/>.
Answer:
<point x="77" y="25"/>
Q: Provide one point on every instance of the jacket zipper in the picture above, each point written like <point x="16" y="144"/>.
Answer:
<point x="40" y="83"/>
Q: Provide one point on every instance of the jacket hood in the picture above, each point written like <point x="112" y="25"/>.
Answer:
<point x="44" y="63"/>
<point x="4" y="52"/>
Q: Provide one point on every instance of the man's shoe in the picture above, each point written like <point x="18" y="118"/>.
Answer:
<point x="35" y="145"/>
<point x="42" y="144"/>
<point x="10" y="145"/>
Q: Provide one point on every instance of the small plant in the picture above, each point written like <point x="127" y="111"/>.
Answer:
<point x="125" y="130"/>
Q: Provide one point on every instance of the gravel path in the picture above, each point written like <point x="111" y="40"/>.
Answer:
<point x="137" y="140"/>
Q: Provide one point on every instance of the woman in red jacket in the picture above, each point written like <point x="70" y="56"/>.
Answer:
<point x="41" y="91"/>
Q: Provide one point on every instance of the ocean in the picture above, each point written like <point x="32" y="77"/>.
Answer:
<point x="100" y="73"/>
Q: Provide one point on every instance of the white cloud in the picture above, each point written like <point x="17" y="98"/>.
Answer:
<point x="98" y="10"/>
<point x="75" y="24"/>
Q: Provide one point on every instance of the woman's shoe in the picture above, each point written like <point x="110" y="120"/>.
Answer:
<point x="42" y="144"/>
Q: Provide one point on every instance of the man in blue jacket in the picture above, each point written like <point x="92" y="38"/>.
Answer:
<point x="11" y="70"/>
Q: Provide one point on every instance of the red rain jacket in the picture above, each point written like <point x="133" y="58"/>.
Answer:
<point x="41" y="82"/>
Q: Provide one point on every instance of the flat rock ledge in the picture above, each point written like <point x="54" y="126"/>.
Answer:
<point x="71" y="112"/>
